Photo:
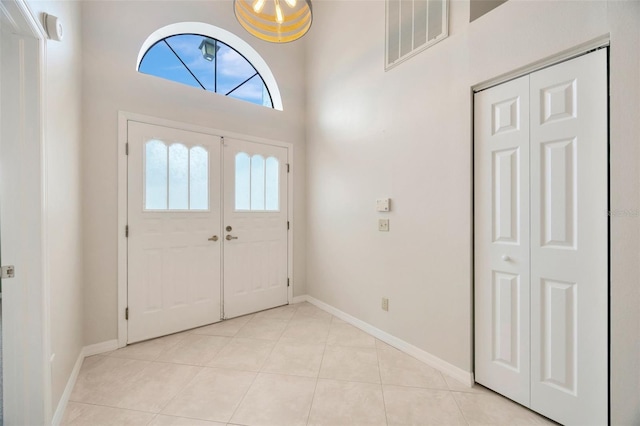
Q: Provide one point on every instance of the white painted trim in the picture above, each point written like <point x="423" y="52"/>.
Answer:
<point x="100" y="348"/>
<point x="90" y="350"/>
<point x="457" y="373"/>
<point x="565" y="55"/>
<point x="299" y="299"/>
<point x="224" y="36"/>
<point x="64" y="399"/>
<point x="123" y="118"/>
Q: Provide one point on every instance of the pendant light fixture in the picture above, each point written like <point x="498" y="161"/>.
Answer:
<point x="277" y="21"/>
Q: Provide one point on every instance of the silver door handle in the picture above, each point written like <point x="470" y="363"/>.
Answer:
<point x="229" y="238"/>
<point x="214" y="238"/>
<point x="506" y="258"/>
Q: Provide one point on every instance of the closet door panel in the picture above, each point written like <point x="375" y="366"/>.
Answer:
<point x="569" y="241"/>
<point x="502" y="239"/>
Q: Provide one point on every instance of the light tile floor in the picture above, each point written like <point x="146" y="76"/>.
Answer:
<point x="293" y="365"/>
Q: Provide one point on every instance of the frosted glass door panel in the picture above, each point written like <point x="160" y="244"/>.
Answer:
<point x="178" y="177"/>
<point x="156" y="183"/>
<point x="198" y="178"/>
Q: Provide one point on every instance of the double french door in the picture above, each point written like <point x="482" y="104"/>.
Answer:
<point x="207" y="229"/>
<point x="541" y="240"/>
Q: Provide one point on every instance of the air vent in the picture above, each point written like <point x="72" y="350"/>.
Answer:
<point x="412" y="26"/>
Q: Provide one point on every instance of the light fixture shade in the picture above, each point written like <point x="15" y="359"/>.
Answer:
<point x="261" y="18"/>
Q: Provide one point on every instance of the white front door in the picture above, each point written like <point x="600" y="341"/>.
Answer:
<point x="541" y="240"/>
<point x="174" y="230"/>
<point x="255" y="221"/>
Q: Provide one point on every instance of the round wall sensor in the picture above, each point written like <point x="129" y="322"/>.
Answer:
<point x="54" y="27"/>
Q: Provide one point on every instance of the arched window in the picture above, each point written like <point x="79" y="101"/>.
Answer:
<point x="209" y="58"/>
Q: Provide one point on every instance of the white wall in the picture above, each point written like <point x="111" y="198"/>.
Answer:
<point x="112" y="35"/>
<point x="407" y="134"/>
<point x="63" y="147"/>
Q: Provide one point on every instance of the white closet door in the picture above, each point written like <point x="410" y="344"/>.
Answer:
<point x="255" y="220"/>
<point x="502" y="239"/>
<point x="174" y="230"/>
<point x="569" y="241"/>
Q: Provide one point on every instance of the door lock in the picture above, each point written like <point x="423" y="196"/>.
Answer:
<point x="229" y="229"/>
<point x="230" y="237"/>
<point x="214" y="238"/>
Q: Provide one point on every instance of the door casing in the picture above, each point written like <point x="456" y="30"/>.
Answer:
<point x="123" y="118"/>
<point x="28" y="372"/>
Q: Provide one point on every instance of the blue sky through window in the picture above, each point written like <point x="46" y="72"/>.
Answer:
<point x="179" y="58"/>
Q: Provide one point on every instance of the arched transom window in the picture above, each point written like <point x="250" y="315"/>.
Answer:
<point x="212" y="59"/>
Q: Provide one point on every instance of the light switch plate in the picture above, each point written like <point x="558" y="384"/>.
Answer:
<point x="383" y="204"/>
<point x="383" y="225"/>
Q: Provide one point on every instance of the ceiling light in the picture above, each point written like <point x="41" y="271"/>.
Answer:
<point x="274" y="20"/>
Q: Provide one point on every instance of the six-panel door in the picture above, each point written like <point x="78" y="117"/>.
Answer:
<point x="541" y="240"/>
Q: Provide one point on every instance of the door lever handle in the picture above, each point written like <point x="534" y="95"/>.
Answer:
<point x="230" y="237"/>
<point x="214" y="238"/>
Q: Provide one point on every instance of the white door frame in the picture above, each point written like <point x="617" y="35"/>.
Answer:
<point x="123" y="118"/>
<point x="582" y="49"/>
<point x="27" y="373"/>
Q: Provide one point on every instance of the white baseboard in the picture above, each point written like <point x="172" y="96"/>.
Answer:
<point x="98" y="348"/>
<point x="64" y="399"/>
<point x="457" y="373"/>
<point x="299" y="299"/>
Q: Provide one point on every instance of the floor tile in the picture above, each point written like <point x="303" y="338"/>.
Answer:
<point x="153" y="388"/>
<point x="263" y="328"/>
<point x="161" y="420"/>
<point x="457" y="386"/>
<point x="148" y="350"/>
<point x="306" y="332"/>
<point x="298" y="359"/>
<point x="346" y="363"/>
<point x="338" y="403"/>
<point x="243" y="354"/>
<point x="308" y="311"/>
<point x="214" y="394"/>
<point x="78" y="414"/>
<point x="398" y="368"/>
<point x="276" y="400"/>
<point x="194" y="349"/>
<point x="343" y="334"/>
<point x="415" y="406"/>
<point x="491" y="408"/>
<point x="281" y="313"/>
<point x="224" y="328"/>
<point x="101" y="379"/>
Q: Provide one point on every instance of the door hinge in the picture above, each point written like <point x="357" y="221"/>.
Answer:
<point x="126" y="313"/>
<point x="288" y="225"/>
<point x="288" y="283"/>
<point x="8" y="271"/>
<point x="288" y="168"/>
<point x="126" y="148"/>
<point x="126" y="231"/>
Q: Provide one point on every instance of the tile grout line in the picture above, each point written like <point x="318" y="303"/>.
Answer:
<point x="313" y="397"/>
<point x="235" y="410"/>
<point x="452" y="393"/>
<point x="384" y="403"/>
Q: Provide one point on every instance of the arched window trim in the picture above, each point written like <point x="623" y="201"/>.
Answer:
<point x="224" y="36"/>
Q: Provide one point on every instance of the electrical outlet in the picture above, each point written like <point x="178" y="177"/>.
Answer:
<point x="385" y="304"/>
<point x="383" y="225"/>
